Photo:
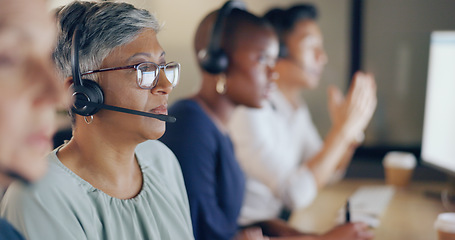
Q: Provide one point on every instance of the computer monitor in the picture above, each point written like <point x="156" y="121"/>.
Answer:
<point x="438" y="141"/>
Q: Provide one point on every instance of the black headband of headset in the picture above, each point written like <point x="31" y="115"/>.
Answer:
<point x="212" y="58"/>
<point x="218" y="27"/>
<point x="77" y="78"/>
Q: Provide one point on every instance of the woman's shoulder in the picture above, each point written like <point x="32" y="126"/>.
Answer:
<point x="154" y="154"/>
<point x="194" y="135"/>
<point x="192" y="121"/>
<point x="55" y="186"/>
<point x="153" y="149"/>
<point x="159" y="165"/>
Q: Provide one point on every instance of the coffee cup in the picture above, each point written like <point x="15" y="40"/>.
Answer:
<point x="399" y="167"/>
<point x="445" y="226"/>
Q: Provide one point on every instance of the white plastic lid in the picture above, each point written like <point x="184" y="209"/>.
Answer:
<point x="445" y="222"/>
<point x="397" y="159"/>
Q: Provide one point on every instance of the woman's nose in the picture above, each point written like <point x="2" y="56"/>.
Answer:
<point x="272" y="74"/>
<point x="163" y="86"/>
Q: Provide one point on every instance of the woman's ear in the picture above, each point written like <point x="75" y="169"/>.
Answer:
<point x="68" y="82"/>
<point x="69" y="90"/>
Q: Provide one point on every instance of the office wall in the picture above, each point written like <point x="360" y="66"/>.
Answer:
<point x="180" y="19"/>
<point x="396" y="47"/>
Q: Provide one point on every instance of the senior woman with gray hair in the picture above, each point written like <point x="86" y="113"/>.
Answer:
<point x="109" y="181"/>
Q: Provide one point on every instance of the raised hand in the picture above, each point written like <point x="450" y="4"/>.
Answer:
<point x="351" y="114"/>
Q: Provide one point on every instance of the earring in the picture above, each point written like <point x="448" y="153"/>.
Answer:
<point x="88" y="121"/>
<point x="221" y="84"/>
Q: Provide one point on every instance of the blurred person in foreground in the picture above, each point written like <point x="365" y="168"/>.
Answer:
<point x="29" y="94"/>
<point x="108" y="181"/>
<point x="278" y="146"/>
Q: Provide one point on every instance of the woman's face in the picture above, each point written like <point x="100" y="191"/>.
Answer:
<point x="251" y="68"/>
<point x="306" y="53"/>
<point x="121" y="89"/>
<point x="29" y="88"/>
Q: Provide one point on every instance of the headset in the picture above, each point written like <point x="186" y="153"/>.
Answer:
<point x="88" y="95"/>
<point x="84" y="90"/>
<point x="214" y="60"/>
<point x="285" y="20"/>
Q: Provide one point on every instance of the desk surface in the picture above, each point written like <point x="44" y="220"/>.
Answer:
<point x="409" y="215"/>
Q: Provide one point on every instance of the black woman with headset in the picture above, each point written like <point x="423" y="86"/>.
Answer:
<point x="236" y="53"/>
<point x="112" y="180"/>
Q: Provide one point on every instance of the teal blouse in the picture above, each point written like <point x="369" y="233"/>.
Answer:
<point x="64" y="206"/>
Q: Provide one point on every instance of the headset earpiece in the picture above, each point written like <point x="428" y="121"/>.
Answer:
<point x="213" y="59"/>
<point x="84" y="90"/>
<point x="90" y="92"/>
<point x="214" y="62"/>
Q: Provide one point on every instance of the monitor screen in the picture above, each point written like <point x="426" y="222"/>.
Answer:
<point x="438" y="141"/>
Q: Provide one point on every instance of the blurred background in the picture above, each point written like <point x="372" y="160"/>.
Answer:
<point x="389" y="38"/>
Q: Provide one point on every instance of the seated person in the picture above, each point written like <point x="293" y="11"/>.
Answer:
<point x="278" y="146"/>
<point x="214" y="181"/>
<point x="29" y="94"/>
<point x="108" y="181"/>
<point x="213" y="178"/>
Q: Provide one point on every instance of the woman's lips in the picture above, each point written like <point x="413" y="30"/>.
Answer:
<point x="162" y="109"/>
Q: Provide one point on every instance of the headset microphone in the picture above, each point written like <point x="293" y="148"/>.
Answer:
<point x="162" y="117"/>
<point x="88" y="95"/>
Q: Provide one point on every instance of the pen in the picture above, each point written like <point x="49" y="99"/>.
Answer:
<point x="348" y="212"/>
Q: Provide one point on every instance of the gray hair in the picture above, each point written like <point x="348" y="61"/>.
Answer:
<point x="104" y="26"/>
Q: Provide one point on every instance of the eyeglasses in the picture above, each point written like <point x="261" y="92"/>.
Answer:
<point x="148" y="73"/>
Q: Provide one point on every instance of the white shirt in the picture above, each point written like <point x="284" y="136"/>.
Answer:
<point x="270" y="144"/>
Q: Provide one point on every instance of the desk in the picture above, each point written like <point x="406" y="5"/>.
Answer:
<point x="409" y="215"/>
